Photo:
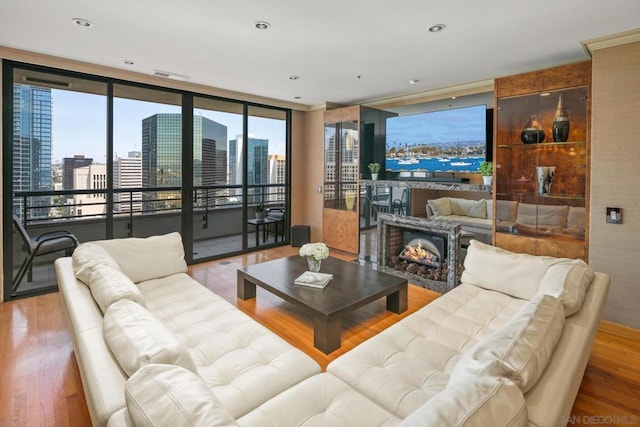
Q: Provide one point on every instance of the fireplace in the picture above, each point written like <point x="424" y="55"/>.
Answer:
<point x="428" y="249"/>
<point x="424" y="252"/>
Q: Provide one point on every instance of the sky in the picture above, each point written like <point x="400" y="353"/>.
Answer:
<point x="460" y="124"/>
<point x="79" y="125"/>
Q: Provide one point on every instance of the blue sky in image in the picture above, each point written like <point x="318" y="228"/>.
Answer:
<point x="79" y="125"/>
<point x="437" y="127"/>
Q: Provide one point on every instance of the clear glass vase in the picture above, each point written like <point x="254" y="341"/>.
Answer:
<point x="314" y="264"/>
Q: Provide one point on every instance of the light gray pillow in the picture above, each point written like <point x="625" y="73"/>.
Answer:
<point x="440" y="207"/>
<point x="470" y="208"/>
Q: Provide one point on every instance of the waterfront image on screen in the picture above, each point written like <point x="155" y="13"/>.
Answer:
<point x="439" y="141"/>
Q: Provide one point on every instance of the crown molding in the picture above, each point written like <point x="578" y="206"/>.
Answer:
<point x="612" y="40"/>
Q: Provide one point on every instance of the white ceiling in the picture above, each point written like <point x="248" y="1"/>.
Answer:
<point x="326" y="43"/>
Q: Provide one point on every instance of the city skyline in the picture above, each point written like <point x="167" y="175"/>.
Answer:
<point x="79" y="125"/>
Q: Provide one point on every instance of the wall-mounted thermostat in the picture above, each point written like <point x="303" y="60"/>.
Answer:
<point x="614" y="215"/>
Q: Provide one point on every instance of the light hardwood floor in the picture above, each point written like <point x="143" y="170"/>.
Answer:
<point x="40" y="384"/>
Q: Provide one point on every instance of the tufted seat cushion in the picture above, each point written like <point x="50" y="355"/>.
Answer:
<point x="407" y="364"/>
<point x="232" y="352"/>
<point x="322" y="400"/>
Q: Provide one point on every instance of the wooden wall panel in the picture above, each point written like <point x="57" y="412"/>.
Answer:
<point x="341" y="230"/>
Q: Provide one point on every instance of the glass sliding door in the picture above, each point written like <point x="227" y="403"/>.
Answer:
<point x="267" y="173"/>
<point x="147" y="161"/>
<point x="218" y="177"/>
<point x="105" y="158"/>
<point x="58" y="179"/>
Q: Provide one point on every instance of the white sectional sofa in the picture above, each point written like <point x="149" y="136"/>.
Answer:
<point x="507" y="347"/>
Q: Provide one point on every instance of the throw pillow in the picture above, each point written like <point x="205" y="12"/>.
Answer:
<point x="474" y="402"/>
<point x="150" y="258"/>
<point x="86" y="256"/>
<point x="568" y="282"/>
<point x="440" y="207"/>
<point x="109" y="285"/>
<point x="164" y="395"/>
<point x="506" y="210"/>
<point x="520" y="350"/>
<point x="470" y="208"/>
<point x="136" y="338"/>
<point x="576" y="218"/>
<point x="496" y="269"/>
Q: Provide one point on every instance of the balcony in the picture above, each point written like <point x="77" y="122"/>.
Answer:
<point x="216" y="221"/>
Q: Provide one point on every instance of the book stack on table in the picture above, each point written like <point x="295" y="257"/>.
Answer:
<point x="313" y="279"/>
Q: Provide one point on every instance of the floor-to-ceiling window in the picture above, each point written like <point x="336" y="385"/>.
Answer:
<point x="106" y="158"/>
<point x="147" y="161"/>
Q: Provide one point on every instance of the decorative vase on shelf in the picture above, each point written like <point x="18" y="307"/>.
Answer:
<point x="545" y="178"/>
<point x="313" y="263"/>
<point x="350" y="199"/>
<point x="532" y="133"/>
<point x="561" y="123"/>
<point x="374" y="177"/>
<point x="487" y="180"/>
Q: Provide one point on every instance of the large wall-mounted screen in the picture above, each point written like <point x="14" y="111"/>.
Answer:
<point x="454" y="140"/>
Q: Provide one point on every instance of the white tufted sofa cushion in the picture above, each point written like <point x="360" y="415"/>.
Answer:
<point x="407" y="364"/>
<point x="231" y="351"/>
<point x="322" y="400"/>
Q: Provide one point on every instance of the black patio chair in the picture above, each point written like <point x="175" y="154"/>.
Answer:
<point x="45" y="243"/>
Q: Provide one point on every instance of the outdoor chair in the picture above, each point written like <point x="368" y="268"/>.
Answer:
<point x="45" y="243"/>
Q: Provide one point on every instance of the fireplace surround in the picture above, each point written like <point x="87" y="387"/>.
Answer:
<point x="391" y="242"/>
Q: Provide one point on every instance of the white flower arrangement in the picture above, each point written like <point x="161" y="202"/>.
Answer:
<point x="317" y="251"/>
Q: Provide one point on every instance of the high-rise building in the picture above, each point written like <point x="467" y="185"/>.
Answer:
<point x="32" y="147"/>
<point x="92" y="177"/>
<point x="162" y="155"/>
<point x="68" y="165"/>
<point x="277" y="175"/>
<point x="127" y="173"/>
<point x="257" y="166"/>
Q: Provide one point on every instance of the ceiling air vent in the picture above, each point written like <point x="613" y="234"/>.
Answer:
<point x="170" y="75"/>
<point x="46" y="81"/>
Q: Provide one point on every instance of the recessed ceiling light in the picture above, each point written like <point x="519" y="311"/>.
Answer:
<point x="297" y="97"/>
<point x="294" y="77"/>
<point x="413" y="81"/>
<point x="82" y="22"/>
<point x="128" y="62"/>
<point x="262" y="25"/>
<point x="437" y="28"/>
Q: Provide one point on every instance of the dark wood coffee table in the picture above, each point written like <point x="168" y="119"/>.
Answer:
<point x="352" y="287"/>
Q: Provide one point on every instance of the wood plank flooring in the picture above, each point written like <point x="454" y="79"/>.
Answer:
<point x="40" y="384"/>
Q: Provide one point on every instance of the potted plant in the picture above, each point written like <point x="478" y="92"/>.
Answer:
<point x="486" y="170"/>
<point x="259" y="210"/>
<point x="374" y="168"/>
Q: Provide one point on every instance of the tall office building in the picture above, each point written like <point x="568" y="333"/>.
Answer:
<point x="127" y="173"/>
<point x="68" y="165"/>
<point x="257" y="166"/>
<point x="92" y="177"/>
<point x="162" y="155"/>
<point x="32" y="147"/>
<point x="277" y="175"/>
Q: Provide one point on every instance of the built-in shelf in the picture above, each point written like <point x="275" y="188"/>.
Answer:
<point x="543" y="144"/>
